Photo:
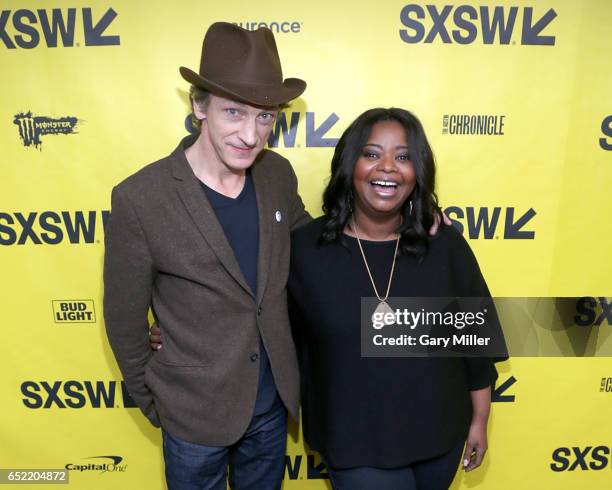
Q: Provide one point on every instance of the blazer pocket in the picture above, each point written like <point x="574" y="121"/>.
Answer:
<point x="159" y="358"/>
<point x="182" y="365"/>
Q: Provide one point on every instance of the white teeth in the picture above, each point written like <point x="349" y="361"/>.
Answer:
<point x="384" y="183"/>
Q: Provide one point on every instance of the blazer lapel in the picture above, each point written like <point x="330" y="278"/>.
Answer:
<point x="193" y="197"/>
<point x="263" y="192"/>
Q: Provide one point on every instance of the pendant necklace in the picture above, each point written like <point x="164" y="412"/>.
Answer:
<point x="383" y="307"/>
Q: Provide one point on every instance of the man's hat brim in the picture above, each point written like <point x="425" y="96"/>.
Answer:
<point x="259" y="95"/>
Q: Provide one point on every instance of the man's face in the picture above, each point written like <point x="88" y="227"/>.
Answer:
<point x="234" y="133"/>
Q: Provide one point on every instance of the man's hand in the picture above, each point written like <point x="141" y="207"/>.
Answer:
<point x="436" y="224"/>
<point x="155" y="340"/>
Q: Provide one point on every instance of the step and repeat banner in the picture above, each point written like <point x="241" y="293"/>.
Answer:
<point x="515" y="99"/>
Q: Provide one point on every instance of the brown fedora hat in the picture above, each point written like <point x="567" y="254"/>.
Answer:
<point x="243" y="65"/>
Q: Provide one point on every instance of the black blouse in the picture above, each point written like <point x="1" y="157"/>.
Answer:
<point x="378" y="412"/>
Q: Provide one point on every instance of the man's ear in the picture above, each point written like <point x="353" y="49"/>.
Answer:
<point x="199" y="110"/>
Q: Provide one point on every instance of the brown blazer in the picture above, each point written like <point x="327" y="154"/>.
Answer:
<point x="165" y="250"/>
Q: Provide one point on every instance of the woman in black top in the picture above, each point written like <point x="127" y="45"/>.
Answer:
<point x="384" y="423"/>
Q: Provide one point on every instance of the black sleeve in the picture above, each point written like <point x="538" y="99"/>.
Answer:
<point x="296" y="319"/>
<point x="481" y="372"/>
<point x="471" y="283"/>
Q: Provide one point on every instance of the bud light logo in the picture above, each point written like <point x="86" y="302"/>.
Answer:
<point x="31" y="128"/>
<point x="466" y="24"/>
<point x="74" y="311"/>
<point x="56" y="27"/>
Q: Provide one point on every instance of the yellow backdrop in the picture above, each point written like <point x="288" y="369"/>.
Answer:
<point x="515" y="98"/>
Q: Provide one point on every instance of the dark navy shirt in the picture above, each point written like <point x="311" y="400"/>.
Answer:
<point x="240" y="222"/>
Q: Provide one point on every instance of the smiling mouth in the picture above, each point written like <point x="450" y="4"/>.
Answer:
<point x="241" y="149"/>
<point x="384" y="184"/>
<point x="385" y="188"/>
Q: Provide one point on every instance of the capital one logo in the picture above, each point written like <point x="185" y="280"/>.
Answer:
<point x="99" y="464"/>
<point x="27" y="29"/>
<point x="465" y="24"/>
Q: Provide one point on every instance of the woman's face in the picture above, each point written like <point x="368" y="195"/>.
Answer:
<point x="384" y="176"/>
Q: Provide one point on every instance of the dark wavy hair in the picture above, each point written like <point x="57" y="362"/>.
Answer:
<point x="338" y="195"/>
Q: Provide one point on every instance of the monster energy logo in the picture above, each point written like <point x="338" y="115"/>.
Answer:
<point x="31" y="128"/>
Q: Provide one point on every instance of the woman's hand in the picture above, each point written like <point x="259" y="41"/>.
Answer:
<point x="476" y="442"/>
<point x="155" y="340"/>
<point x="475" y="446"/>
<point x="436" y="224"/>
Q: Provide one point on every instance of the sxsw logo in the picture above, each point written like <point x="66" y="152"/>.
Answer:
<point x="74" y="311"/>
<point x="593" y="311"/>
<point x="315" y="132"/>
<point x="312" y="126"/>
<point x="606" y="129"/>
<point x="313" y="471"/>
<point x="580" y="458"/>
<point x="465" y="24"/>
<point x="75" y="394"/>
<point x="51" y="227"/>
<point x="31" y="128"/>
<point x="56" y="27"/>
<point x="487" y="223"/>
<point x="500" y="392"/>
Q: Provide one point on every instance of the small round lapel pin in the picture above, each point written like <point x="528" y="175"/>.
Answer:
<point x="279" y="216"/>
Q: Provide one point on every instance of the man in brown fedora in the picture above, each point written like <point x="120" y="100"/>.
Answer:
<point x="201" y="238"/>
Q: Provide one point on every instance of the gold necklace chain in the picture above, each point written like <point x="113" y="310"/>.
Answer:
<point x="368" y="267"/>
